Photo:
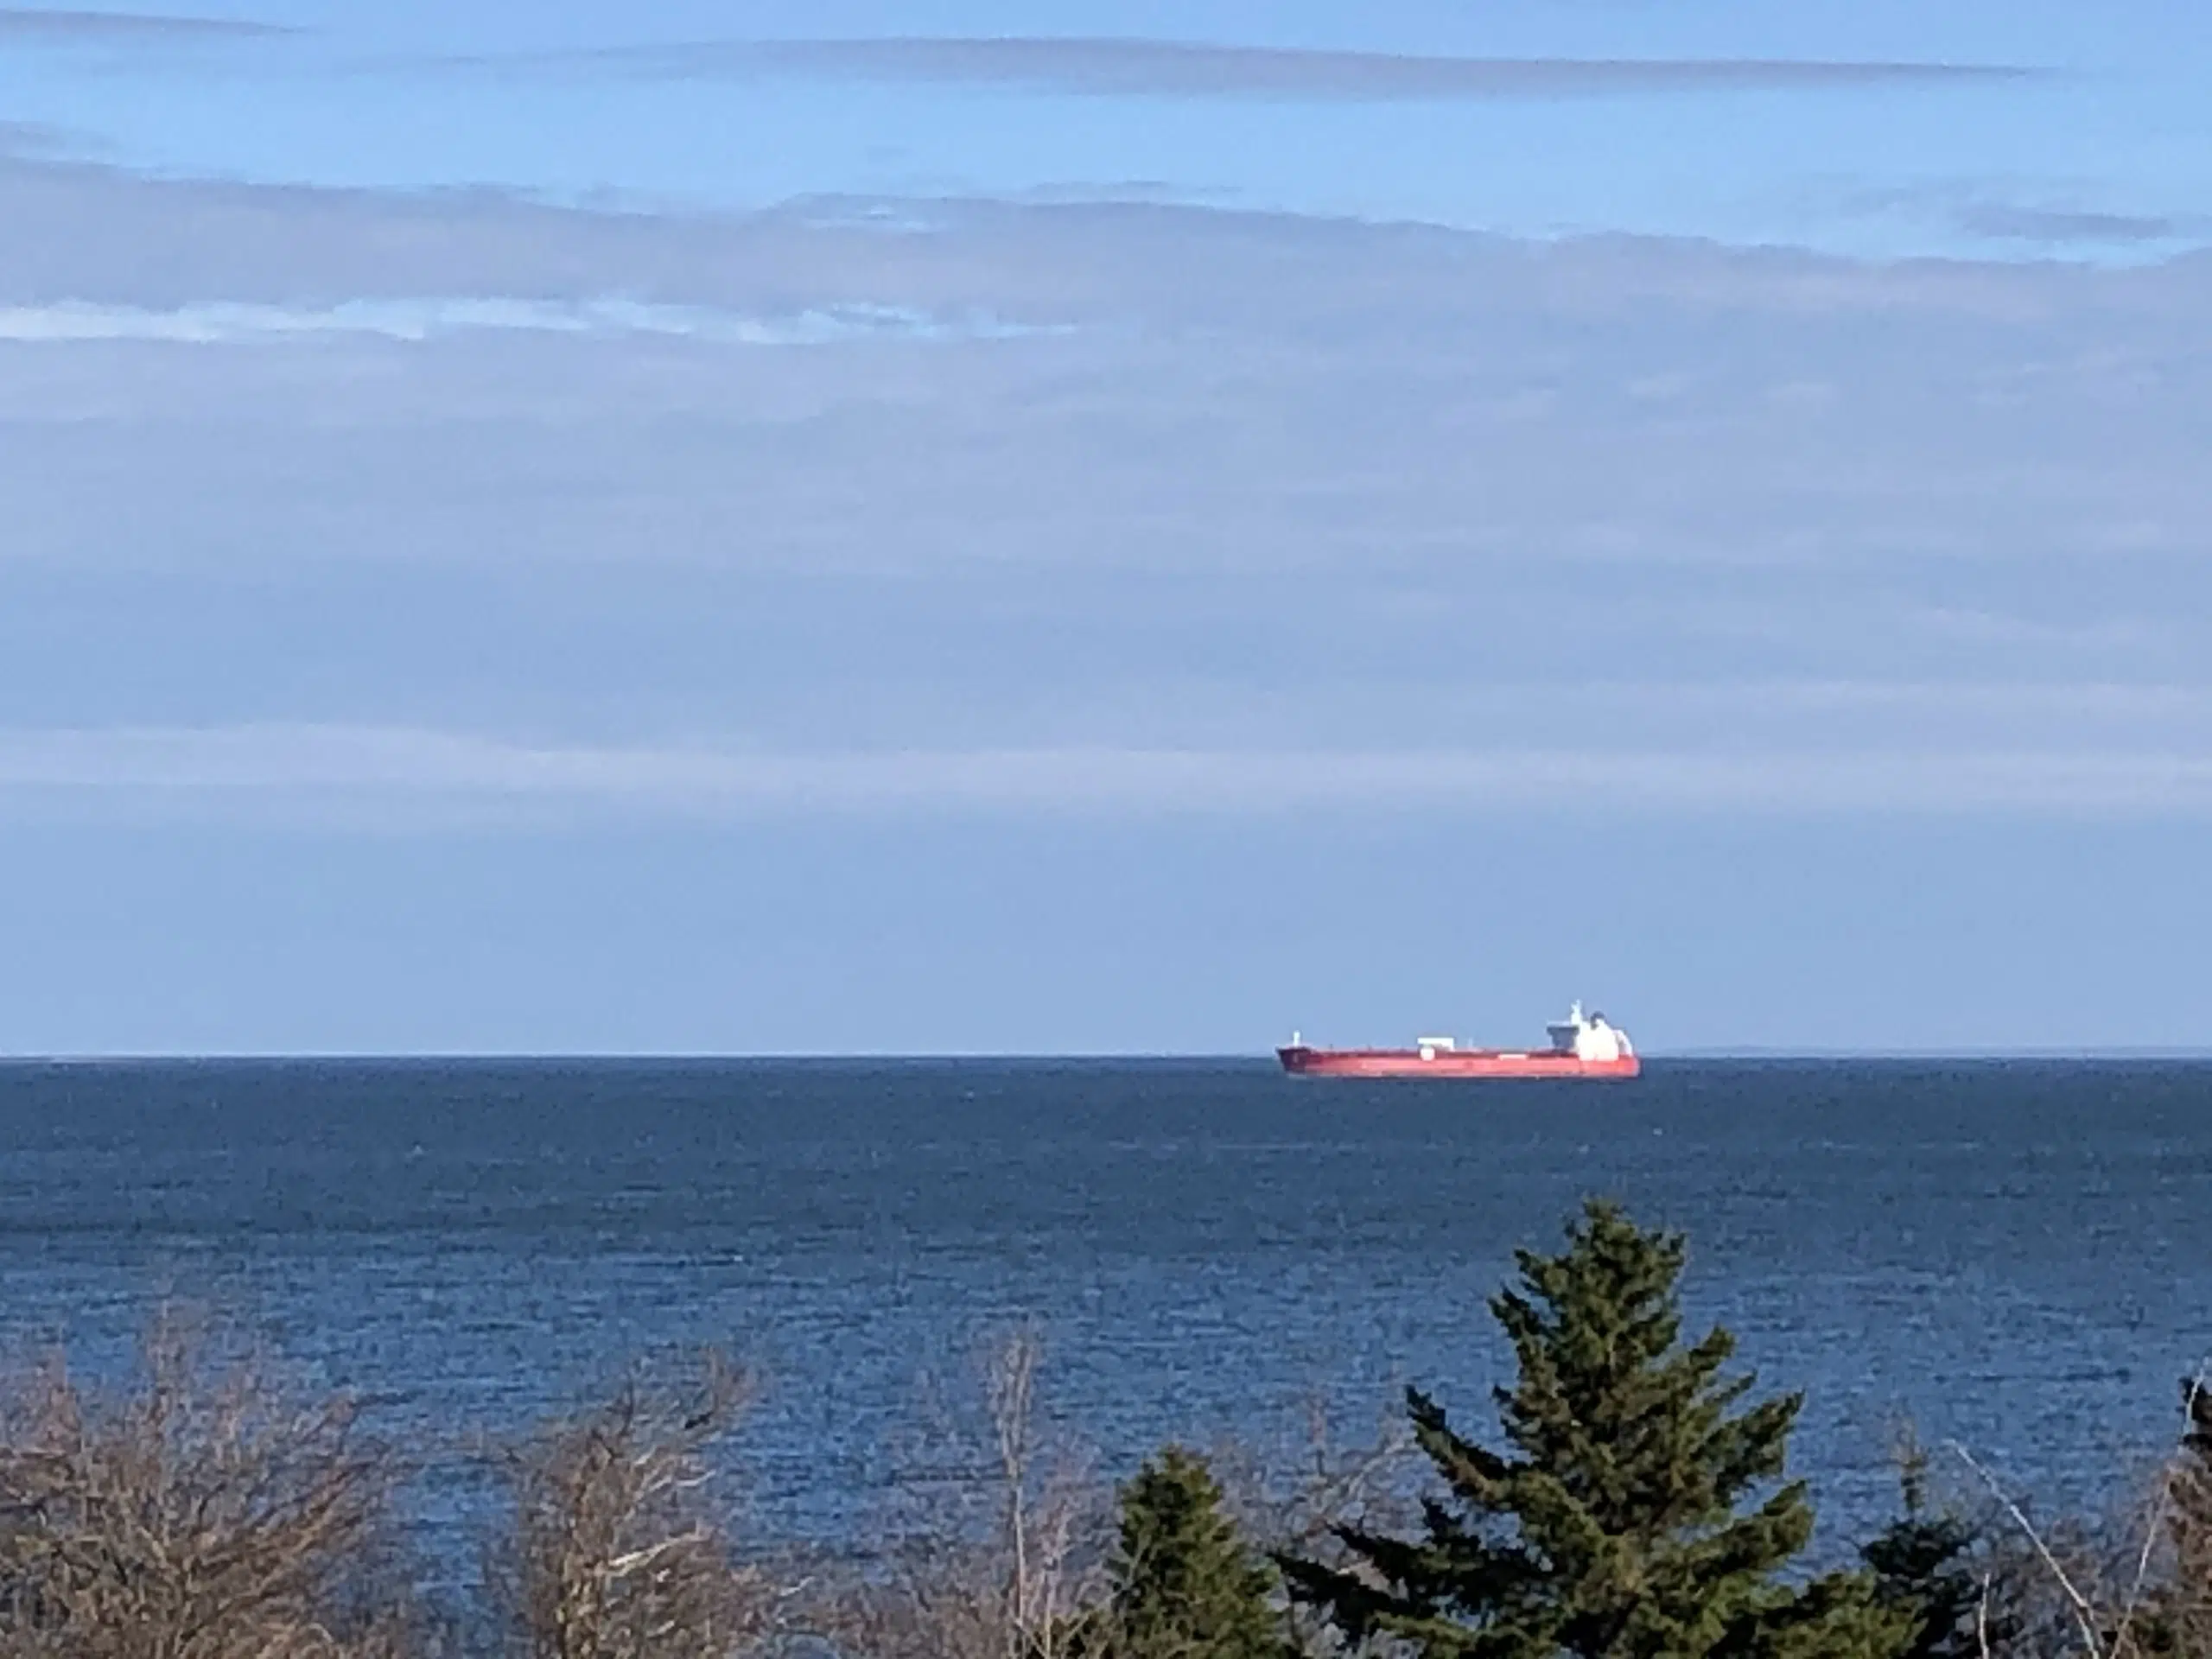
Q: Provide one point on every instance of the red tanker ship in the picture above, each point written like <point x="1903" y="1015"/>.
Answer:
<point x="1581" y="1048"/>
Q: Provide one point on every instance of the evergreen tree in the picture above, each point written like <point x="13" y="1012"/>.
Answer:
<point x="1614" y="1526"/>
<point x="1921" y="1564"/>
<point x="1185" y="1583"/>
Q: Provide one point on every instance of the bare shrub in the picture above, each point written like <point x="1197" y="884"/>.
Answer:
<point x="1005" y="1560"/>
<point x="615" y="1552"/>
<point x="191" y="1518"/>
<point x="1293" y="1500"/>
<point x="1292" y="1503"/>
<point x="2138" y="1588"/>
<point x="2183" y="1610"/>
<point x="2055" y="1594"/>
<point x="1004" y="1549"/>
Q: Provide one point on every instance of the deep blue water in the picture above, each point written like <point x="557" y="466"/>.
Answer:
<point x="2016" y="1255"/>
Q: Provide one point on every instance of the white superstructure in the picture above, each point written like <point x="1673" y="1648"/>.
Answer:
<point x="1591" y="1038"/>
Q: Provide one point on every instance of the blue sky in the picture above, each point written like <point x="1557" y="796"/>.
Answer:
<point x="2104" y="119"/>
<point x="937" y="527"/>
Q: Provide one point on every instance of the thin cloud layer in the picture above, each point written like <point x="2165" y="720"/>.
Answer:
<point x="1181" y="69"/>
<point x="1991" y="217"/>
<point x="268" y="766"/>
<point x="37" y="27"/>
<point x="2025" y="222"/>
<point x="421" y="319"/>
<point x="1211" y="512"/>
<point x="32" y="138"/>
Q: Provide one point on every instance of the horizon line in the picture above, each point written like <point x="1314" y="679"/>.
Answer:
<point x="1748" y="1053"/>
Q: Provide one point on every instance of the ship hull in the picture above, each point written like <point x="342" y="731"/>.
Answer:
<point x="1466" y="1063"/>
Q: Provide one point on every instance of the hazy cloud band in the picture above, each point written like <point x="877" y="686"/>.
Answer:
<point x="399" y="765"/>
<point x="1160" y="68"/>
<point x="22" y="25"/>
<point x="424" y="318"/>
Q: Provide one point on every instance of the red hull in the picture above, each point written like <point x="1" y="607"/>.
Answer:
<point x="1449" y="1062"/>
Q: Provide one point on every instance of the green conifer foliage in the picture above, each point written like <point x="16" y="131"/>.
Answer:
<point x="1921" y="1564"/>
<point x="1635" y="1515"/>
<point x="1185" y="1586"/>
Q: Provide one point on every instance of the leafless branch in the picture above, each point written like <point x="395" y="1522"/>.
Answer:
<point x="615" y="1554"/>
<point x="193" y="1518"/>
<point x="1006" y="1560"/>
<point x="2083" y="1610"/>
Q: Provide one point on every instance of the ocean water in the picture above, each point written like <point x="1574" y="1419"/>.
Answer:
<point x="2017" y="1256"/>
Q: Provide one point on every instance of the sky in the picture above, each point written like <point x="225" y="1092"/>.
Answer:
<point x="960" y="528"/>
